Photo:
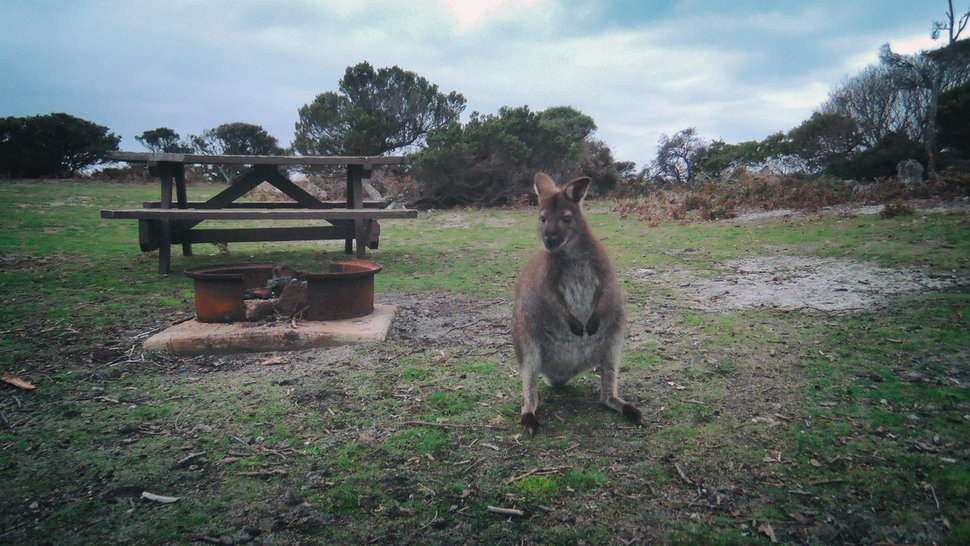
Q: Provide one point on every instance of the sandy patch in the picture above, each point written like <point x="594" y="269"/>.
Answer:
<point x="794" y="282"/>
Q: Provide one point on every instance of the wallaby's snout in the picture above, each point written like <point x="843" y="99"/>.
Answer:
<point x="552" y="237"/>
<point x="560" y="215"/>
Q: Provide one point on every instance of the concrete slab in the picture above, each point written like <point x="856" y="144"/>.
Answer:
<point x="197" y="338"/>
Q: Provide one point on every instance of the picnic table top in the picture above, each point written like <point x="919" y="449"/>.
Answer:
<point x="204" y="159"/>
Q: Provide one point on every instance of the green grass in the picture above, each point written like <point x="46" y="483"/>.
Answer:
<point x="411" y="441"/>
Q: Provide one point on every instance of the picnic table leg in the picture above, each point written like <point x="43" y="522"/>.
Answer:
<point x="165" y="252"/>
<point x="178" y="172"/>
<point x="165" y="245"/>
<point x="355" y="200"/>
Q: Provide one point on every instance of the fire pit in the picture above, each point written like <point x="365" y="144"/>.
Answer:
<point x="220" y="289"/>
<point x="346" y="291"/>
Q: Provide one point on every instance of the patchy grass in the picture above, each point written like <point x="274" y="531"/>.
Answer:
<point x="807" y="426"/>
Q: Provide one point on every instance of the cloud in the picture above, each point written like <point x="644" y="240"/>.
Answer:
<point x="738" y="70"/>
<point x="469" y="13"/>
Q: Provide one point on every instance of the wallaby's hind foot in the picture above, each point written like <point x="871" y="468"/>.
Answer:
<point x="632" y="414"/>
<point x="529" y="423"/>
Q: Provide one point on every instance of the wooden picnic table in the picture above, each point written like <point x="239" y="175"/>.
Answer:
<point x="164" y="223"/>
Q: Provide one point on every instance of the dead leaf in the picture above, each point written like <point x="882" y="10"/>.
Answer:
<point x="17" y="382"/>
<point x="768" y="532"/>
<point x="275" y="361"/>
<point x="799" y="518"/>
<point x="158" y="498"/>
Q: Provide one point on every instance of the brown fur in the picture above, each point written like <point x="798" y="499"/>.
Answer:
<point x="568" y="312"/>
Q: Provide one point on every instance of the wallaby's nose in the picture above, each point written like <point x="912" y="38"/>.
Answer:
<point x="551" y="241"/>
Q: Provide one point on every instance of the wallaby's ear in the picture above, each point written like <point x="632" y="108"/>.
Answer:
<point x="575" y="190"/>
<point x="545" y="187"/>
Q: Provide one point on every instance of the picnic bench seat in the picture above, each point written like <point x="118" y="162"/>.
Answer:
<point x="164" y="223"/>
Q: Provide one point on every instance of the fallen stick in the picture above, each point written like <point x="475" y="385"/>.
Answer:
<point x="158" y="498"/>
<point x="683" y="475"/>
<point x="536" y="472"/>
<point x="451" y="425"/>
<point x="184" y="462"/>
<point x="505" y="511"/>
<point x="261" y="473"/>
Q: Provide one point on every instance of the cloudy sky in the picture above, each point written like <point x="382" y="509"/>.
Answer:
<point x="734" y="69"/>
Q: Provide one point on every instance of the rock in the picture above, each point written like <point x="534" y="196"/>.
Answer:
<point x="258" y="309"/>
<point x="293" y="299"/>
<point x="912" y="377"/>
<point x="910" y="172"/>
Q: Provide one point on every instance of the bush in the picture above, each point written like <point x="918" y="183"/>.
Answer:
<point x="492" y="159"/>
<point x="880" y="160"/>
<point x="57" y="145"/>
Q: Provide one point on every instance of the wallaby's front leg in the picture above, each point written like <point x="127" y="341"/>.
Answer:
<point x="575" y="326"/>
<point x="609" y="395"/>
<point x="529" y="371"/>
<point x="599" y="308"/>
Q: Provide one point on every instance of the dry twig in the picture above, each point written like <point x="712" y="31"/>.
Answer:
<point x="505" y="511"/>
<point x="451" y="425"/>
<point x="536" y="472"/>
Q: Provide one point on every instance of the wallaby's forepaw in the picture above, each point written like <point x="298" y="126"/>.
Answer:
<point x="530" y="423"/>
<point x="575" y="326"/>
<point x="592" y="325"/>
<point x="631" y="413"/>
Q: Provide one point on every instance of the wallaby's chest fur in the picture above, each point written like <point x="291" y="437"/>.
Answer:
<point x="578" y="282"/>
<point x="568" y="285"/>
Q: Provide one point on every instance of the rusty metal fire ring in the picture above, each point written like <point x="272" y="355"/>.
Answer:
<point x="345" y="292"/>
<point x="220" y="289"/>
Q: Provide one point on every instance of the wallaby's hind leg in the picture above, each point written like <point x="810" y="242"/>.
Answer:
<point x="529" y="370"/>
<point x="609" y="378"/>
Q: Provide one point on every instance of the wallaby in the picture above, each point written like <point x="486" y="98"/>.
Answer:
<point x="568" y="312"/>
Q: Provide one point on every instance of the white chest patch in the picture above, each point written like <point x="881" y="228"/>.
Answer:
<point x="578" y="288"/>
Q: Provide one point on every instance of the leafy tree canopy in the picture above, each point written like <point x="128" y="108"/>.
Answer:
<point x="879" y="160"/>
<point x="163" y="140"/>
<point x="954" y="120"/>
<point x="677" y="157"/>
<point x="375" y="111"/>
<point x="52" y="145"/>
<point x="233" y="139"/>
<point x="492" y="159"/>
<point x="823" y="138"/>
<point x="236" y="139"/>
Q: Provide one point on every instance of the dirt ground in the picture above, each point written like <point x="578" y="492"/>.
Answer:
<point x="758" y="393"/>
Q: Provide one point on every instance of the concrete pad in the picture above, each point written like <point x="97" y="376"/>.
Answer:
<point x="198" y="338"/>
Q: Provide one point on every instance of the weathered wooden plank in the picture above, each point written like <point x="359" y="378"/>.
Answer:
<point x="201" y="159"/>
<point x="255" y="235"/>
<point x="271" y="205"/>
<point x="257" y="214"/>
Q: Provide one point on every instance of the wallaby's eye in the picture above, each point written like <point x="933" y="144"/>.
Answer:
<point x="542" y="219"/>
<point x="567" y="219"/>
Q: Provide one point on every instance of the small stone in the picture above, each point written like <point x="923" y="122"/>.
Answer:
<point x="912" y="377"/>
<point x="258" y="309"/>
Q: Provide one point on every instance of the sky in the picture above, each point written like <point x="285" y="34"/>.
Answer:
<point x="736" y="70"/>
